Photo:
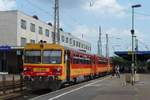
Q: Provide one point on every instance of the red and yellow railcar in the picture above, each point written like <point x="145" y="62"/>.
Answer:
<point x="102" y="65"/>
<point x="80" y="65"/>
<point x="47" y="66"/>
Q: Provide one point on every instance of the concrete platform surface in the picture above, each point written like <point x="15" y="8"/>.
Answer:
<point x="109" y="88"/>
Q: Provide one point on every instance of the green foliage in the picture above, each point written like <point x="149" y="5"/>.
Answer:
<point x="148" y="66"/>
<point x="120" y="61"/>
<point x="125" y="65"/>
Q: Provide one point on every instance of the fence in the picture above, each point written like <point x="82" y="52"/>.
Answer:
<point x="10" y="83"/>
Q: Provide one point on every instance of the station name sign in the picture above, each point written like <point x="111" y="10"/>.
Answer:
<point x="5" y="48"/>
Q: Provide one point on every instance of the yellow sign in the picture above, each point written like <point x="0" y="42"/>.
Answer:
<point x="41" y="70"/>
<point x="129" y="52"/>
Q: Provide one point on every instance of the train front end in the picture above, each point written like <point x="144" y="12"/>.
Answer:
<point x="43" y="66"/>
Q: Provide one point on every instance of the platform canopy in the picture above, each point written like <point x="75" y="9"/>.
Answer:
<point x="141" y="55"/>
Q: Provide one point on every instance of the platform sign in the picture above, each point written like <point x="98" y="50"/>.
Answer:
<point x="3" y="61"/>
<point x="129" y="52"/>
<point x="5" y="48"/>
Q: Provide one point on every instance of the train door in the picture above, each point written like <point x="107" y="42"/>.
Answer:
<point x="67" y="61"/>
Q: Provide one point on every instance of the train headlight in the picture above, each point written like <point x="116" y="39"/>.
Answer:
<point x="26" y="69"/>
<point x="57" y="71"/>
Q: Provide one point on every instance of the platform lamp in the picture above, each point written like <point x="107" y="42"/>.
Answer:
<point x="132" y="33"/>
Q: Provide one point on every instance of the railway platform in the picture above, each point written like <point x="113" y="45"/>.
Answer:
<point x="108" y="88"/>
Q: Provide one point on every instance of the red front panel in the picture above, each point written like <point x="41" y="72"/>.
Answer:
<point x="30" y="70"/>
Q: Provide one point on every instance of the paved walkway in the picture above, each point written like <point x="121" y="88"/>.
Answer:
<point x="104" y="89"/>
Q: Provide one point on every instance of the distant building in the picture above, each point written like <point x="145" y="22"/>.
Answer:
<point x="17" y="29"/>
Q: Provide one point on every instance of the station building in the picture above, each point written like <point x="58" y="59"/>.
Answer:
<point x="17" y="29"/>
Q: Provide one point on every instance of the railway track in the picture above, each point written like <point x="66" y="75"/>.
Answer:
<point x="10" y="89"/>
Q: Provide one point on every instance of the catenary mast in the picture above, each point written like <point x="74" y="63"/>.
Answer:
<point x="56" y="34"/>
<point x="99" y="43"/>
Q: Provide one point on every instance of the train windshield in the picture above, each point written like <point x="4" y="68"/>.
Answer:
<point x="52" y="57"/>
<point x="33" y="57"/>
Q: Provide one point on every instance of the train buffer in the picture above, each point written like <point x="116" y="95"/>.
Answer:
<point x="108" y="88"/>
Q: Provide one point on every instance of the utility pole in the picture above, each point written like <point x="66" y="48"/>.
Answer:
<point x="107" y="47"/>
<point x="133" y="49"/>
<point x="136" y="51"/>
<point x="99" y="43"/>
<point x="56" y="34"/>
<point x="136" y="44"/>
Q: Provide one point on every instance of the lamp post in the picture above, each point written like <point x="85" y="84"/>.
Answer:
<point x="132" y="33"/>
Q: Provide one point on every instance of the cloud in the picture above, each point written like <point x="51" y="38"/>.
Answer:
<point x="71" y="3"/>
<point x="104" y="6"/>
<point x="117" y="36"/>
<point x="86" y="31"/>
<point x="7" y="5"/>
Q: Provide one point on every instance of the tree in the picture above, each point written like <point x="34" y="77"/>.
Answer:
<point x="124" y="64"/>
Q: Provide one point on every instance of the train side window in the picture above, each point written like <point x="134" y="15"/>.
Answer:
<point x="90" y="61"/>
<point x="81" y="61"/>
<point x="84" y="61"/>
<point x="99" y="62"/>
<point x="66" y="58"/>
<point x="75" y="61"/>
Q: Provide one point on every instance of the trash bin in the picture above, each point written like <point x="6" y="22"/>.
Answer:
<point x="137" y="78"/>
<point x="128" y="78"/>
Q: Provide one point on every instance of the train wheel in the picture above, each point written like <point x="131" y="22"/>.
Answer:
<point x="75" y="81"/>
<point x="56" y="85"/>
<point x="91" y="77"/>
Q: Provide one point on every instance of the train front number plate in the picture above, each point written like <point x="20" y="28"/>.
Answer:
<point x="41" y="70"/>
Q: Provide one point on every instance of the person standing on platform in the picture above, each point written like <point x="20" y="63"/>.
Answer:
<point x="117" y="70"/>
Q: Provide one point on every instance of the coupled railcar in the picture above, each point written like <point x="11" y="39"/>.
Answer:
<point x="48" y="66"/>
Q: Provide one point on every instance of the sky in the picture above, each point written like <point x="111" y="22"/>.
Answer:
<point x="85" y="16"/>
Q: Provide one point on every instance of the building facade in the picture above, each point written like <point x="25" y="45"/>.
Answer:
<point x="17" y="29"/>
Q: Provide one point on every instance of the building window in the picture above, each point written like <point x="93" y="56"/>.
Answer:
<point x="62" y="38"/>
<point x="82" y="46"/>
<point x="23" y="41"/>
<point x="74" y="42"/>
<point x="79" y="44"/>
<point x="40" y="30"/>
<point x="52" y="35"/>
<point x="47" y="32"/>
<point x="23" y="24"/>
<point x="70" y="40"/>
<point x="86" y="47"/>
<point x="66" y="39"/>
<point x="32" y="27"/>
<point x="32" y="41"/>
